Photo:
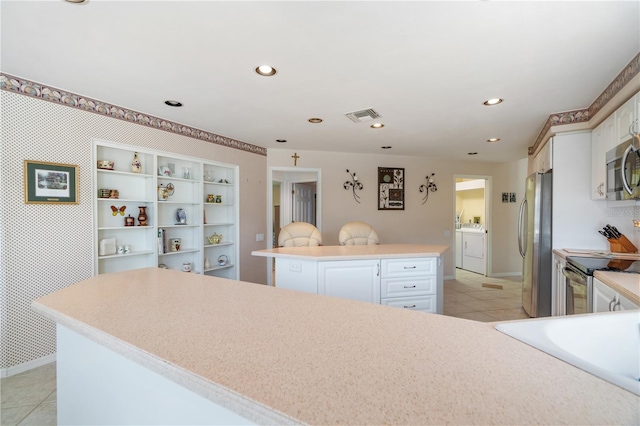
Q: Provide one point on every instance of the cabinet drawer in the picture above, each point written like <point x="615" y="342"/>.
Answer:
<point x="409" y="267"/>
<point x="414" y="286"/>
<point x="422" y="303"/>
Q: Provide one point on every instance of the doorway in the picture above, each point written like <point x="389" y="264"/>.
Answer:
<point x="472" y="224"/>
<point x="294" y="195"/>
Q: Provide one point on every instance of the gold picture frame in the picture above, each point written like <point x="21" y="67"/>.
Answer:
<point x="50" y="183"/>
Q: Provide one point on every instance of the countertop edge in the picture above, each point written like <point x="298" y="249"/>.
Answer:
<point x="617" y="287"/>
<point x="238" y="403"/>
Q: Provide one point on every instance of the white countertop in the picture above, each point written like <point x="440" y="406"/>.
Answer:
<point x="323" y="360"/>
<point x="381" y="251"/>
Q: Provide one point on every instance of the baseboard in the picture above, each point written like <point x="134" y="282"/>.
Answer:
<point x="21" y="368"/>
<point x="507" y="274"/>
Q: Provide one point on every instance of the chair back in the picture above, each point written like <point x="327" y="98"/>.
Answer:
<point x="299" y="234"/>
<point x="357" y="233"/>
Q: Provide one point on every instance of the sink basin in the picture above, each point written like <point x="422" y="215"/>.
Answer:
<point x="606" y="345"/>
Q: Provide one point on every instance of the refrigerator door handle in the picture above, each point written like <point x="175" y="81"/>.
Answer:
<point x="521" y="242"/>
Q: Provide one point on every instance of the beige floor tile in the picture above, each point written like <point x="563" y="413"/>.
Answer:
<point x="485" y="294"/>
<point x="44" y="414"/>
<point x="456" y="308"/>
<point x="11" y="416"/>
<point x="475" y="316"/>
<point x="514" y="302"/>
<point x="507" y="314"/>
<point x="458" y="297"/>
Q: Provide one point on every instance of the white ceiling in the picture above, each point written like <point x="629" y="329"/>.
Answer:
<point x="426" y="66"/>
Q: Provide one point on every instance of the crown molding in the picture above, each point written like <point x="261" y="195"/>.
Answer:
<point x="584" y="115"/>
<point x="26" y="87"/>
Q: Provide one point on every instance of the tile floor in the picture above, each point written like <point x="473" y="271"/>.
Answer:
<point x="29" y="398"/>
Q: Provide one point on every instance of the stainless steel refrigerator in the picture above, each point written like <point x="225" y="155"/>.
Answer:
<point x="534" y="242"/>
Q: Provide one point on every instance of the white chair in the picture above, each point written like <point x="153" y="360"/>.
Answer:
<point x="357" y="233"/>
<point x="299" y="234"/>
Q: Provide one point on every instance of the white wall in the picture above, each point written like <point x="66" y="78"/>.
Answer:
<point x="48" y="247"/>
<point x="418" y="223"/>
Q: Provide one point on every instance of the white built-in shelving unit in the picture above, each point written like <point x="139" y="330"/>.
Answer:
<point x="192" y="180"/>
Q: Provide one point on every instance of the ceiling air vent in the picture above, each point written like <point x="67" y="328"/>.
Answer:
<point x="362" y="115"/>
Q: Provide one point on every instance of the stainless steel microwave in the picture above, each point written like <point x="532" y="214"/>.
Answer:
<point x="623" y="171"/>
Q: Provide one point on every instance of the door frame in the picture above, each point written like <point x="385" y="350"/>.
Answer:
<point x="488" y="185"/>
<point x="290" y="171"/>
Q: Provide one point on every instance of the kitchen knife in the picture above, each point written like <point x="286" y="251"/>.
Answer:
<point x="617" y="233"/>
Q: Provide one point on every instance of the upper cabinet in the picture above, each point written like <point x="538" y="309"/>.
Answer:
<point x="154" y="209"/>
<point x="616" y="129"/>
<point x="543" y="161"/>
<point x="626" y="118"/>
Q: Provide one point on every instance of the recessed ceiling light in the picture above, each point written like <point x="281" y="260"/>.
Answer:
<point x="173" y="103"/>
<point x="493" y="140"/>
<point x="281" y="140"/>
<point x="386" y="147"/>
<point x="472" y="153"/>
<point x="494" y="101"/>
<point x="266" y="70"/>
<point x="315" y="120"/>
<point x="76" y="1"/>
<point x="377" y="125"/>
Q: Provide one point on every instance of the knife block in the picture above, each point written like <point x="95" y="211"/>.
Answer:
<point x="622" y="245"/>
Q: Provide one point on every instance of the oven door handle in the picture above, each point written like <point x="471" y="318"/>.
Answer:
<point x="574" y="276"/>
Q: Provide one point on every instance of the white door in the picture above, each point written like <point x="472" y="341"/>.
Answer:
<point x="304" y="208"/>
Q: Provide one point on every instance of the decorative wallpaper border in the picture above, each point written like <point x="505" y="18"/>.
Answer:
<point x="52" y="94"/>
<point x="570" y="117"/>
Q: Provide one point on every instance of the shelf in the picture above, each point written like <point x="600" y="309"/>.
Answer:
<point x="136" y="253"/>
<point x="177" y="179"/>
<point x="160" y="202"/>
<point x="124" y="200"/>
<point x="188" y="225"/>
<point x="117" y="228"/>
<point x="181" y="251"/>
<point x="219" y="224"/>
<point x="216" y="268"/>
<point x="225" y="243"/>
<point x="218" y="204"/>
<point x="116" y="172"/>
<point x="217" y="183"/>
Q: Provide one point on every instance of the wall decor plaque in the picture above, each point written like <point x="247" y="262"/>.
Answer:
<point x="390" y="188"/>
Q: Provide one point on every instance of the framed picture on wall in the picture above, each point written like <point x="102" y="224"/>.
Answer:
<point x="390" y="188"/>
<point x="50" y="183"/>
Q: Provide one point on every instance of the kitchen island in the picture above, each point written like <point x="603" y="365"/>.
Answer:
<point x="407" y="276"/>
<point x="276" y="356"/>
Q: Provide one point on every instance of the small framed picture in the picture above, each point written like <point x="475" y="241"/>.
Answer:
<point x="505" y="197"/>
<point x="512" y="197"/>
<point x="50" y="183"/>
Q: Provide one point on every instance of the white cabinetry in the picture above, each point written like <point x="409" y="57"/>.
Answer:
<point x="543" y="161"/>
<point x="605" y="299"/>
<point x="410" y="284"/>
<point x="458" y="249"/>
<point x="616" y="129"/>
<point x="558" y="287"/>
<point x="626" y="116"/>
<point x="350" y="279"/>
<point x="182" y="214"/>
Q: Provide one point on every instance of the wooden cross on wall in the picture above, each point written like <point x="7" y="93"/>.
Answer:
<point x="295" y="157"/>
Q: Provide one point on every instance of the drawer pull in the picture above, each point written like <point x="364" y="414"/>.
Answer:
<point x="409" y="267"/>
<point x="410" y="286"/>
<point x="409" y="306"/>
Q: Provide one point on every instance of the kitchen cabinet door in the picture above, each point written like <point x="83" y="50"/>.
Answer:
<point x="598" y="164"/>
<point x="604" y="298"/>
<point x="625" y="116"/>
<point x="558" y="287"/>
<point x="350" y="279"/>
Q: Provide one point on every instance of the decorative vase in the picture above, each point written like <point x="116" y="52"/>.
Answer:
<point x="142" y="216"/>
<point x="136" y="165"/>
<point x="129" y="221"/>
<point x="207" y="264"/>
<point x="163" y="193"/>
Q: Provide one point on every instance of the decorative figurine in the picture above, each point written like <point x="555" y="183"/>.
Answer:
<point x="129" y="221"/>
<point x="142" y="216"/>
<point x="136" y="165"/>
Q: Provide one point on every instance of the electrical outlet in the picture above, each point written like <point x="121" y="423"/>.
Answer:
<point x="447" y="233"/>
<point x="295" y="267"/>
<point x="259" y="237"/>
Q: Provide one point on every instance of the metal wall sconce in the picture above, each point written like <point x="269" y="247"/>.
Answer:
<point x="354" y="184"/>
<point x="430" y="186"/>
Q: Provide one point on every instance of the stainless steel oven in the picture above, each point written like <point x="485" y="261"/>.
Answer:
<point x="578" y="274"/>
